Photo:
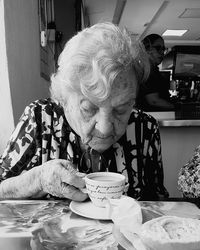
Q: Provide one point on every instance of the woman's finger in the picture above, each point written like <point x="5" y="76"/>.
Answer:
<point x="71" y="176"/>
<point x="72" y="179"/>
<point x="73" y="193"/>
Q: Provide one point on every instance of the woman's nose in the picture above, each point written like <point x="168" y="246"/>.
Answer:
<point x="105" y="125"/>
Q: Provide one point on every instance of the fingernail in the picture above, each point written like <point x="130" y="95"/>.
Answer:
<point x="84" y="190"/>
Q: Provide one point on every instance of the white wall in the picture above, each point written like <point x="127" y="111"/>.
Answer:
<point x="23" y="52"/>
<point x="100" y="11"/>
<point x="6" y="113"/>
<point x="178" y="144"/>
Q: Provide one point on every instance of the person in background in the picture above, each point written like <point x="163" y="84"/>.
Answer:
<point x="89" y="124"/>
<point x="189" y="176"/>
<point x="153" y="94"/>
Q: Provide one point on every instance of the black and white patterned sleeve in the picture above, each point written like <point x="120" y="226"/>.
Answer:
<point x="21" y="146"/>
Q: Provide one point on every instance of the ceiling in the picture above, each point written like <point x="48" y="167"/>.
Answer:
<point x="143" y="17"/>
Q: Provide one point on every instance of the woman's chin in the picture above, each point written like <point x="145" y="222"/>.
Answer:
<point x="100" y="147"/>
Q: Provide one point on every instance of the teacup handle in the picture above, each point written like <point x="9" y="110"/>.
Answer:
<point x="126" y="187"/>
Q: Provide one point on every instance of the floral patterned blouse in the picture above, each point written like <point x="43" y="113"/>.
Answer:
<point x="43" y="133"/>
<point x="189" y="176"/>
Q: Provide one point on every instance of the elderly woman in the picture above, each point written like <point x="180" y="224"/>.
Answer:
<point x="88" y="125"/>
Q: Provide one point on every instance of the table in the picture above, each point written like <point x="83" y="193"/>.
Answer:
<point x="50" y="224"/>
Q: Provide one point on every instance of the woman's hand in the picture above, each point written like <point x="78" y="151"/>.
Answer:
<point x="59" y="178"/>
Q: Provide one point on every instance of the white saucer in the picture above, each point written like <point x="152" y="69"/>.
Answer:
<point x="87" y="209"/>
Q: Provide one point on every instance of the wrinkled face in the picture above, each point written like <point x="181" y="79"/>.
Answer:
<point x="101" y="125"/>
<point x="156" y="51"/>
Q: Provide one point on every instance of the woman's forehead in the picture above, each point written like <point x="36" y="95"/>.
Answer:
<point x="123" y="87"/>
<point x="122" y="93"/>
<point x="125" y="81"/>
<point x="117" y="99"/>
<point x="120" y="96"/>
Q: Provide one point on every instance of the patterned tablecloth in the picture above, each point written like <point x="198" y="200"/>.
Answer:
<point x="42" y="224"/>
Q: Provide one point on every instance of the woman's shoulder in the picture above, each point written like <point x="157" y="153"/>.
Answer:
<point x="44" y="103"/>
<point x="45" y="106"/>
<point x="43" y="110"/>
<point x="139" y="116"/>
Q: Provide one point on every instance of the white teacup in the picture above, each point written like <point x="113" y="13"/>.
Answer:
<point x="102" y="186"/>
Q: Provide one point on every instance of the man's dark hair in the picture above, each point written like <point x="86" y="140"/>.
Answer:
<point x="150" y="39"/>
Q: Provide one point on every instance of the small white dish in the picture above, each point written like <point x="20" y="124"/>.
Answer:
<point x="89" y="210"/>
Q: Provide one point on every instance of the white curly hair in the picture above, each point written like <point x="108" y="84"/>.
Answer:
<point x="93" y="58"/>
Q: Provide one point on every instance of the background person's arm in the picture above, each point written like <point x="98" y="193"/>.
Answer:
<point x="155" y="101"/>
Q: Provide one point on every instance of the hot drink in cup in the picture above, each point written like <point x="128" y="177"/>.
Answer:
<point x="102" y="186"/>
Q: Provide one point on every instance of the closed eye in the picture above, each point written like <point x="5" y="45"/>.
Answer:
<point x="87" y="108"/>
<point x="89" y="112"/>
<point x="120" y="111"/>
